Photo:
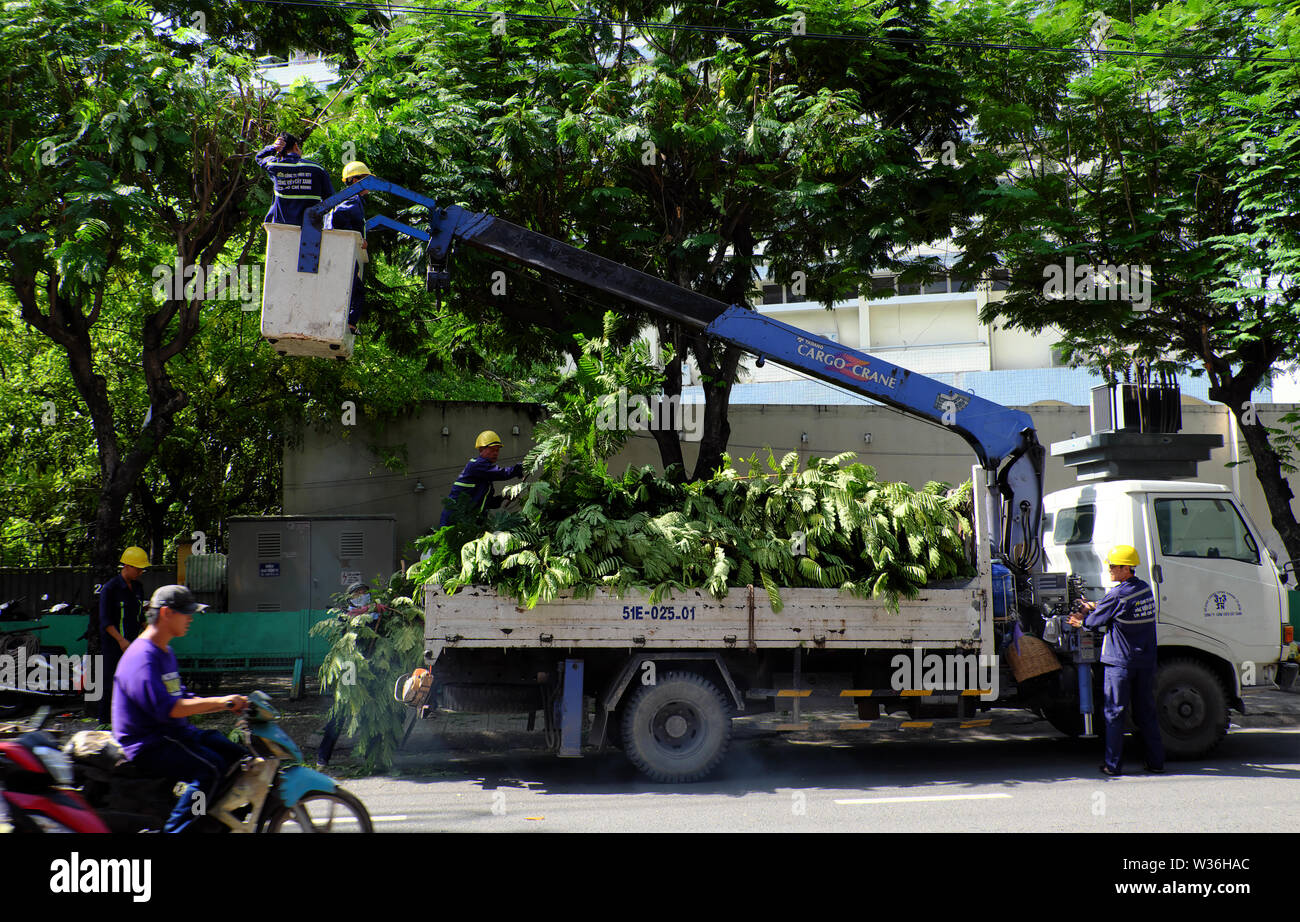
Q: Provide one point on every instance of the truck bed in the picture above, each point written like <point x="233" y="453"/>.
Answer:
<point x="954" y="614"/>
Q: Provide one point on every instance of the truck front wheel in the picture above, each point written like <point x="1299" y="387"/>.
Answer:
<point x="678" y="729"/>
<point x="1193" y="708"/>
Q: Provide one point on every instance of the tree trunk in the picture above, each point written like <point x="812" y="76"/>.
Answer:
<point x="1273" y="482"/>
<point x="1234" y="391"/>
<point x="667" y="437"/>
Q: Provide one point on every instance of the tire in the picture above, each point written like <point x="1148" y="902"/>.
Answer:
<point x="678" y="729"/>
<point x="1067" y="720"/>
<point x="325" y="810"/>
<point x="1192" y="706"/>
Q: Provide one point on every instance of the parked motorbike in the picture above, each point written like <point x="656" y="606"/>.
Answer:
<point x="35" y="786"/>
<point x="269" y="791"/>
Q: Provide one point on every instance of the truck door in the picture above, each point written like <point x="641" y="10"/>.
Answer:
<point x="1211" y="577"/>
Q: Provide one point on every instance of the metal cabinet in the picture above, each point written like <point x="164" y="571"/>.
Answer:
<point x="295" y="562"/>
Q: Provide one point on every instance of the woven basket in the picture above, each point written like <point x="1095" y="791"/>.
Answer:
<point x="1034" y="658"/>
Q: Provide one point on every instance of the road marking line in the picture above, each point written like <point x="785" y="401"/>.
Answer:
<point x="905" y="800"/>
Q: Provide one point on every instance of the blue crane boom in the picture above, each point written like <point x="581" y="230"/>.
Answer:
<point x="1003" y="438"/>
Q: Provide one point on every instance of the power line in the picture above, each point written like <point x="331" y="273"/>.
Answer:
<point x="756" y="31"/>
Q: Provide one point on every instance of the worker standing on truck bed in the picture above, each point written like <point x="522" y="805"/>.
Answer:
<point x="472" y="490"/>
<point x="299" y="183"/>
<point x="351" y="216"/>
<point x="1129" y="657"/>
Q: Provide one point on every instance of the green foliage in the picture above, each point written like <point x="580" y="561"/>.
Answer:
<point x="831" y="525"/>
<point x="364" y="661"/>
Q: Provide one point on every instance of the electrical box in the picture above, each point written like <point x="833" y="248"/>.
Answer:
<point x="306" y="313"/>
<point x="297" y="562"/>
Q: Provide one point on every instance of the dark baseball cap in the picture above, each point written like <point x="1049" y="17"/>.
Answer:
<point x="177" y="598"/>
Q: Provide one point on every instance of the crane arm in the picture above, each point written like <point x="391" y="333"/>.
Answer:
<point x="1002" y="438"/>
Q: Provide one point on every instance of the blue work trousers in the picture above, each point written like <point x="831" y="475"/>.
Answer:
<point x="1127" y="687"/>
<point x="201" y="759"/>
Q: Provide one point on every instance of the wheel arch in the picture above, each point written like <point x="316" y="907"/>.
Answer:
<point x="613" y="694"/>
<point x="1225" y="671"/>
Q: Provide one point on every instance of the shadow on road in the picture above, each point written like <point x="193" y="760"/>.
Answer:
<point x="769" y="763"/>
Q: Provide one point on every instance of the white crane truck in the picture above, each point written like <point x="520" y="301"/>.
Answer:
<point x="667" y="677"/>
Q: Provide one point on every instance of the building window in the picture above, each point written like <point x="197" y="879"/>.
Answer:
<point x="773" y="294"/>
<point x="1001" y="280"/>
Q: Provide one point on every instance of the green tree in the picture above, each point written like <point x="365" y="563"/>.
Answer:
<point x="1186" y="163"/>
<point x="694" y="151"/>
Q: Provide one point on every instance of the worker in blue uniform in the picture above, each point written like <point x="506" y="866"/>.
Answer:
<point x="1129" y="656"/>
<point x="299" y="183"/>
<point x="472" y="492"/>
<point x="351" y="216"/>
<point x="121" y="603"/>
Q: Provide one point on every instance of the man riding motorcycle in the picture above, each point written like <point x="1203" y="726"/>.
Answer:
<point x="150" y="707"/>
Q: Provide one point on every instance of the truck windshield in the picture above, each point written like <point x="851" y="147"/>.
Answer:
<point x="1210" y="528"/>
<point x="1074" y="526"/>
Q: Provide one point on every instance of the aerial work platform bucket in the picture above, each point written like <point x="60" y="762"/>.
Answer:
<point x="305" y="313"/>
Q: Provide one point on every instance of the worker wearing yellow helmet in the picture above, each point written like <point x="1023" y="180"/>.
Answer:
<point x="351" y="216"/>
<point x="121" y="602"/>
<point x="472" y="492"/>
<point x="1128" y="655"/>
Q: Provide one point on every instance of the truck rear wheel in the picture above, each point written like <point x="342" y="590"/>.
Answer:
<point x="1193" y="708"/>
<point x="678" y="729"/>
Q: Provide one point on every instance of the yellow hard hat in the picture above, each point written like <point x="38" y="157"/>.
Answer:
<point x="486" y="439"/>
<point x="355" y="168"/>
<point x="1123" y="555"/>
<point x="135" y="557"/>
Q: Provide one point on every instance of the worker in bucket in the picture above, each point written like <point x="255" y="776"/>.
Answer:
<point x="351" y="216"/>
<point x="472" y="492"/>
<point x="1129" y="657"/>
<point x="299" y="183"/>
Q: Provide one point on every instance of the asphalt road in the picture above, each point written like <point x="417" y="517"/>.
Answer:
<point x="1028" y="779"/>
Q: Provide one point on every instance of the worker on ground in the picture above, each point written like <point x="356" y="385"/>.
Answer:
<point x="1128" y="655"/>
<point x="351" y="216"/>
<point x="359" y="603"/>
<point x="472" y="492"/>
<point x="299" y="183"/>
<point x="121" y="601"/>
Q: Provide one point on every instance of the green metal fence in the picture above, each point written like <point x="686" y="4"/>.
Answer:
<point x="274" y="642"/>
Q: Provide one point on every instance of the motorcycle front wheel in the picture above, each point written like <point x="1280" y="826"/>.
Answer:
<point x="338" y="811"/>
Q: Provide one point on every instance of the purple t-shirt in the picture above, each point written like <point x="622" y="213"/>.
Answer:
<point x="146" y="687"/>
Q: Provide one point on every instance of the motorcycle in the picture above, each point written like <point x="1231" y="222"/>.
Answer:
<point x="268" y="791"/>
<point x="35" y="786"/>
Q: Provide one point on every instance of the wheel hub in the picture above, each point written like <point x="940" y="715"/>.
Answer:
<point x="677" y="728"/>
<point x="1185" y="707"/>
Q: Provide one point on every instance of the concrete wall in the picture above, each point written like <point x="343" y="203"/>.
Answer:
<point x="335" y="473"/>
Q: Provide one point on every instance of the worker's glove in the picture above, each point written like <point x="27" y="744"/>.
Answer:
<point x="517" y="471"/>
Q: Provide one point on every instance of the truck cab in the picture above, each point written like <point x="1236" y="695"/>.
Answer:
<point x="1221" y="606"/>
